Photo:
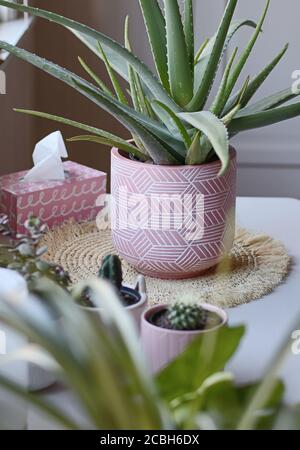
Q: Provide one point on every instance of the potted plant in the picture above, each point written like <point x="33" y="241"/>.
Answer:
<point x="167" y="330"/>
<point x="180" y="147"/>
<point x="133" y="299"/>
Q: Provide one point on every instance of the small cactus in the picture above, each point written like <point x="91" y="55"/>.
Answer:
<point x="111" y="269"/>
<point x="186" y="316"/>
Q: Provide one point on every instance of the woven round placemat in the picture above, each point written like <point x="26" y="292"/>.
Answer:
<point x="255" y="266"/>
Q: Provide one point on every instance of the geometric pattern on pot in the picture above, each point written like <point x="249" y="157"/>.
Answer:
<point x="172" y="221"/>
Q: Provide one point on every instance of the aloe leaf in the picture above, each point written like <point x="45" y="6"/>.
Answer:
<point x="231" y="115"/>
<point x="118" y="90"/>
<point x="117" y="55"/>
<point x="272" y="101"/>
<point x="94" y="77"/>
<point x="156" y="29"/>
<point x="195" y="154"/>
<point x="122" y="145"/>
<point x="167" y="154"/>
<point x="202" y="61"/>
<point x="143" y="103"/>
<point x="214" y="130"/>
<point x="89" y="90"/>
<point x="255" y="84"/>
<point x="131" y="73"/>
<point x="189" y="30"/>
<point x="107" y="138"/>
<point x="157" y="152"/>
<point x="246" y="53"/>
<point x="265" y="118"/>
<point x="200" y="51"/>
<point x="180" y="77"/>
<point x="178" y="123"/>
<point x="220" y="99"/>
<point x="111" y="138"/>
<point x="199" y="100"/>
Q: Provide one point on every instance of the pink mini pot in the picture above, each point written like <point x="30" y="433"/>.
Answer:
<point x="172" y="221"/>
<point x="161" y="345"/>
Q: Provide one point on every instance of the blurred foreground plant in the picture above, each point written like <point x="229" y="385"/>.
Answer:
<point x="104" y="367"/>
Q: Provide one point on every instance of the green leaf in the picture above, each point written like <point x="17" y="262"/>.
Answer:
<point x="220" y="403"/>
<point x="272" y="101"/>
<point x="230" y="116"/>
<point x="189" y="30"/>
<point x="160" y="153"/>
<point x="246" y="53"/>
<point x="119" y="143"/>
<point x="118" y="56"/>
<point x="123" y="113"/>
<point x="265" y="118"/>
<point x="118" y="90"/>
<point x="177" y="122"/>
<point x="202" y="60"/>
<point x="200" y="51"/>
<point x="94" y="77"/>
<point x="214" y="130"/>
<point x="156" y="29"/>
<point x="255" y="84"/>
<point x="180" y="77"/>
<point x="199" y="100"/>
<point x="131" y="73"/>
<point x="108" y="137"/>
<point x="220" y="99"/>
<point x="207" y="355"/>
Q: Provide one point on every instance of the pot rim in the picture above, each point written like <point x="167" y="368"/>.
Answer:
<point x="221" y="313"/>
<point x="116" y="154"/>
<point x="140" y="303"/>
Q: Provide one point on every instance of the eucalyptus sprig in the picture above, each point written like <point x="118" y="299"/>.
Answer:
<point x="26" y="253"/>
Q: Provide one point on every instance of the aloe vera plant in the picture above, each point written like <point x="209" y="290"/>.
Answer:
<point x="169" y="117"/>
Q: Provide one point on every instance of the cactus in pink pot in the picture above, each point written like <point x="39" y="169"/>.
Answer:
<point x="168" y="329"/>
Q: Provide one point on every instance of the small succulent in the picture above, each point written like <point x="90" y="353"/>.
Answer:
<point x="186" y="316"/>
<point x="26" y="253"/>
<point x="111" y="269"/>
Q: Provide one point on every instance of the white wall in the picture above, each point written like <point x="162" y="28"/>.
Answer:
<point x="269" y="158"/>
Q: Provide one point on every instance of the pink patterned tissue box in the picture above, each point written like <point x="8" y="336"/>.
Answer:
<point x="54" y="202"/>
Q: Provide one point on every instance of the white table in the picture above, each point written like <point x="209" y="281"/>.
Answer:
<point x="268" y="320"/>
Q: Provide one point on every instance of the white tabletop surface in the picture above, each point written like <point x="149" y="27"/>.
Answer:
<point x="267" y="320"/>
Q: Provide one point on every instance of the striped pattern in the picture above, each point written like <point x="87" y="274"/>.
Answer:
<point x="150" y="238"/>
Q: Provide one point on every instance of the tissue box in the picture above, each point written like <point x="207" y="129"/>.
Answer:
<point x="54" y="202"/>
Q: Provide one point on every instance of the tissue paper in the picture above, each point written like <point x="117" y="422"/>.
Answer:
<point x="47" y="159"/>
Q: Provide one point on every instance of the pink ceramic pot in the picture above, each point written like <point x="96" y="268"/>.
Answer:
<point x="172" y="221"/>
<point x="162" y="346"/>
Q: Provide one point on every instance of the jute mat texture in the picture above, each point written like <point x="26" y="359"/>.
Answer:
<point x="256" y="265"/>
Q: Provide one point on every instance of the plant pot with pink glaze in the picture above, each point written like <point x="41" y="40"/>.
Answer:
<point x="162" y="345"/>
<point x="171" y="221"/>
